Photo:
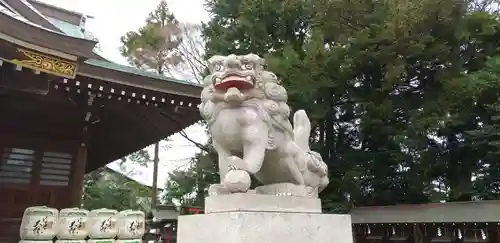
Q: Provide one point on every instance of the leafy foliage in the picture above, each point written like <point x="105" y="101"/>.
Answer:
<point x="487" y="137"/>
<point x="154" y="46"/>
<point x="105" y="188"/>
<point x="189" y="187"/>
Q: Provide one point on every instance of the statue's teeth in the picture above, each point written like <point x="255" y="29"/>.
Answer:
<point x="248" y="78"/>
<point x="217" y="80"/>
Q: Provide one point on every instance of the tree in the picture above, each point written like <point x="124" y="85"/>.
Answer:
<point x="154" y="47"/>
<point x="167" y="47"/>
<point x="379" y="81"/>
<point x="486" y="83"/>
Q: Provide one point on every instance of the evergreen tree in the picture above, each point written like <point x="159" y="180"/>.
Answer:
<point x="154" y="47"/>
<point x="485" y="84"/>
<point x="379" y="80"/>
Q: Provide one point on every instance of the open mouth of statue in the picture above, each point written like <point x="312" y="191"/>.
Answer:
<point x="234" y="81"/>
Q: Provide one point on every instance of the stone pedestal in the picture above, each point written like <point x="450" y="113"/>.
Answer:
<point x="242" y="202"/>
<point x="242" y="222"/>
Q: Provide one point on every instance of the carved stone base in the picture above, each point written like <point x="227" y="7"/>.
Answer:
<point x="286" y="189"/>
<point x="264" y="227"/>
<point x="277" y="189"/>
<point x="249" y="202"/>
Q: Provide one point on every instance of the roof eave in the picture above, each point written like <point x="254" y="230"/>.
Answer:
<point x="57" y="8"/>
<point x="134" y="80"/>
<point x="31" y="15"/>
<point x="22" y="31"/>
<point x="451" y="212"/>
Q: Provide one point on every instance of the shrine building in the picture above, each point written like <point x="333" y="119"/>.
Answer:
<point x="453" y="222"/>
<point x="65" y="110"/>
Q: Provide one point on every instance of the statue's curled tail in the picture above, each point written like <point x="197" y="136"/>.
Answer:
<point x="301" y="130"/>
<point x="316" y="174"/>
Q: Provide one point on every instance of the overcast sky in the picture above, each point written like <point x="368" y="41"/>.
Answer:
<point x="112" y="19"/>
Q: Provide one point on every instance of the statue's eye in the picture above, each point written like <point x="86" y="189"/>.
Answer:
<point x="247" y="66"/>
<point x="218" y="67"/>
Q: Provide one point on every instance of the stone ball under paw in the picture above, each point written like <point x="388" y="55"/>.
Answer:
<point x="237" y="181"/>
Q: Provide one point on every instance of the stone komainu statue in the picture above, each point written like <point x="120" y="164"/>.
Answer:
<point x="248" y="117"/>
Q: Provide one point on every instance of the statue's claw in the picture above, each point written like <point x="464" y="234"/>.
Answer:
<point x="235" y="163"/>
<point x="231" y="167"/>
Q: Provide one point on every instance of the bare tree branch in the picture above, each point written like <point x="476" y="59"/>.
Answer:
<point x="191" y="50"/>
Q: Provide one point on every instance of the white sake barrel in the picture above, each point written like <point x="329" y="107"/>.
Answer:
<point x="131" y="224"/>
<point x="102" y="223"/>
<point x="70" y="241"/>
<point x="129" y="241"/>
<point x="73" y="224"/>
<point x="39" y="223"/>
<point x="36" y="241"/>
<point x="101" y="241"/>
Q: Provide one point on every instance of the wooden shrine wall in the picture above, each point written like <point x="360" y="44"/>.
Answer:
<point x="37" y="170"/>
<point x="33" y="172"/>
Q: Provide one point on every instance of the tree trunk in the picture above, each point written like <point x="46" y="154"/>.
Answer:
<point x="200" y="192"/>
<point x="156" y="161"/>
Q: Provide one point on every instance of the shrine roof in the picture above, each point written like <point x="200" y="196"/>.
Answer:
<point x="70" y="29"/>
<point x="448" y="212"/>
<point x="136" y="102"/>
<point x="52" y="27"/>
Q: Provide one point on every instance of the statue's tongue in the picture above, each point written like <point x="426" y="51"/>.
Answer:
<point x="240" y="83"/>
